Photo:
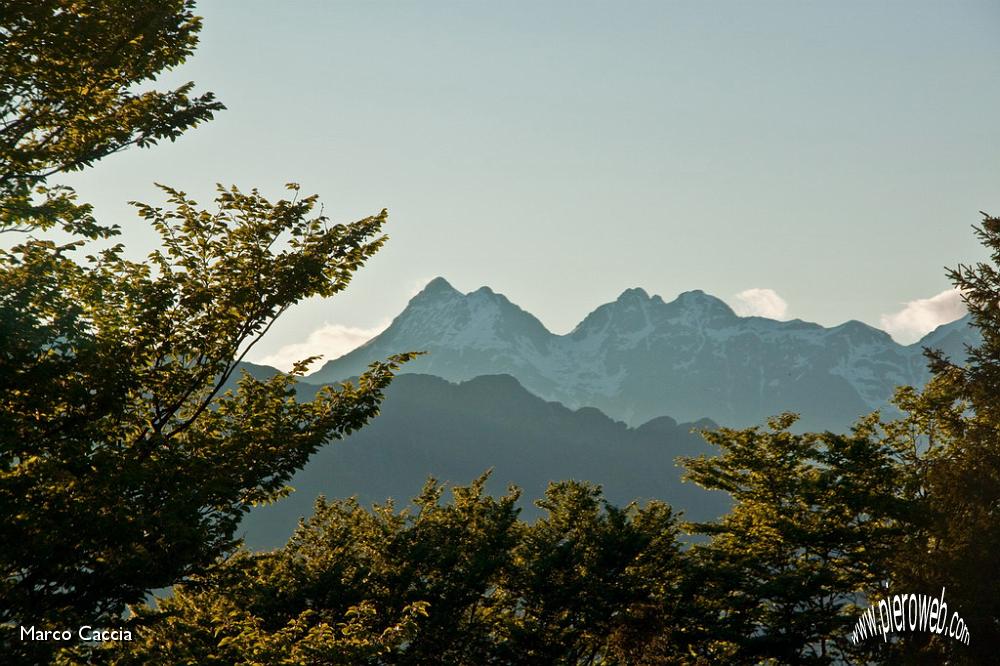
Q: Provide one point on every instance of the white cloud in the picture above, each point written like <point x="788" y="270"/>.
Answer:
<point x="923" y="315"/>
<point x="760" y="303"/>
<point x="330" y="341"/>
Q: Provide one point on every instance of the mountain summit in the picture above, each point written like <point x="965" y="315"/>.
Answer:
<point x="639" y="357"/>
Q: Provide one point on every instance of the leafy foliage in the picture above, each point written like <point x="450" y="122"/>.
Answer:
<point x="128" y="449"/>
<point x="459" y="583"/>
<point x="69" y="95"/>
<point x="823" y="522"/>
<point x="953" y="430"/>
<point x="126" y="462"/>
<point x="812" y="529"/>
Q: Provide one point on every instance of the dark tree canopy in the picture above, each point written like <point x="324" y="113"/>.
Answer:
<point x="462" y="582"/>
<point x="128" y="449"/>
<point x="813" y="528"/>
<point x="953" y="425"/>
<point x="125" y="465"/>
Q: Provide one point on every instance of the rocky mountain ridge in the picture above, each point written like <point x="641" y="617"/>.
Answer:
<point x="640" y="357"/>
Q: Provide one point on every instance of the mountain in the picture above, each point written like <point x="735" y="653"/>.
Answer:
<point x="455" y="432"/>
<point x="640" y="357"/>
<point x="951" y="338"/>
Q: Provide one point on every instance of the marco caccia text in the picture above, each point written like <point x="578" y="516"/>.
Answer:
<point x="86" y="633"/>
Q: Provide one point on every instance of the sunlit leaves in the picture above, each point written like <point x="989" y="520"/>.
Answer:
<point x="71" y="92"/>
<point x="813" y="527"/>
<point x="450" y="581"/>
<point x="130" y="452"/>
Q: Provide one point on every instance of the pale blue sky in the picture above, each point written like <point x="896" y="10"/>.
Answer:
<point x="561" y="152"/>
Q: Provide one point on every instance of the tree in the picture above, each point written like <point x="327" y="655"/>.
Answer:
<point x="125" y="466"/>
<point x="596" y="583"/>
<point x="352" y="586"/>
<point x="128" y="452"/>
<point x="823" y="522"/>
<point x="69" y="73"/>
<point x="459" y="583"/>
<point x="815" y="520"/>
<point x="953" y="430"/>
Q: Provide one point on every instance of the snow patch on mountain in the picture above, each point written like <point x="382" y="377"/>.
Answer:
<point x="639" y="357"/>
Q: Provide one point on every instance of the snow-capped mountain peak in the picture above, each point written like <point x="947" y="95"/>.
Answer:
<point x="437" y="288"/>
<point x="639" y="357"/>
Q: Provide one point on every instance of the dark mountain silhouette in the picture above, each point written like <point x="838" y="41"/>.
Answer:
<point x="455" y="432"/>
